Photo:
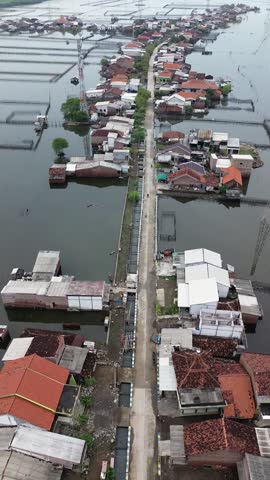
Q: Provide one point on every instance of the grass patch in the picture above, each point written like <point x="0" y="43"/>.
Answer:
<point x="121" y="268"/>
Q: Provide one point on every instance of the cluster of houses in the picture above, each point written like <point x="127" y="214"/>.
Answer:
<point x="39" y="395"/>
<point x="46" y="287"/>
<point x="203" y="161"/>
<point x="205" y="372"/>
<point x="38" y="26"/>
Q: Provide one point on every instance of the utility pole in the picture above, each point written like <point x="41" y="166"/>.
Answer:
<point x="264" y="231"/>
<point x="83" y="100"/>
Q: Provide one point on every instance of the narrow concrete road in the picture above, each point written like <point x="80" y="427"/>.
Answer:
<point x="143" y="421"/>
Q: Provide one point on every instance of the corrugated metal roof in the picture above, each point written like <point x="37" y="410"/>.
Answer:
<point x="17" y="348"/>
<point x="48" y="445"/>
<point x="249" y="305"/>
<point x="177" y="442"/>
<point x="86" y="288"/>
<point x="26" y="287"/>
<point x="73" y="358"/>
<point x="243" y="287"/>
<point x="21" y="467"/>
<point x="58" y="289"/>
<point x="258" y="467"/>
<point x="6" y="436"/>
<point x="46" y="262"/>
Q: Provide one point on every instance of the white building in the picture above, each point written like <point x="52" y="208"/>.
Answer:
<point x="203" y="271"/>
<point x="196" y="256"/>
<point x="198" y="294"/>
<point x="220" y="323"/>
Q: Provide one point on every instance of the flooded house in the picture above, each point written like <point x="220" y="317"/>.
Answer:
<point x="44" y="288"/>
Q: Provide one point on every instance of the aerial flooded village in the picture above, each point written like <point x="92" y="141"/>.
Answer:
<point x="134" y="316"/>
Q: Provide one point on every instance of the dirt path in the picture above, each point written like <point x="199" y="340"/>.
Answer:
<point x="143" y="420"/>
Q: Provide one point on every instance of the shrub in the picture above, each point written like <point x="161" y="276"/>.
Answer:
<point x="86" y="401"/>
<point x="134" y="196"/>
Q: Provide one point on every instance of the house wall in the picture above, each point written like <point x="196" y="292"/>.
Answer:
<point x="223" y="290"/>
<point x="176" y="100"/>
<point x="193" y="412"/>
<point x="245" y="166"/>
<point x="195" y="309"/>
<point x="222" y="457"/>
<point x="97" y="172"/>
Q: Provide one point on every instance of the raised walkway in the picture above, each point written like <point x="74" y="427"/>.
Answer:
<point x="143" y="420"/>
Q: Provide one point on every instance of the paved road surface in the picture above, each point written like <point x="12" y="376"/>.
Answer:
<point x="143" y="420"/>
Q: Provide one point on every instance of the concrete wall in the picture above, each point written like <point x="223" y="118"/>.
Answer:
<point x="222" y="457"/>
<point x="195" y="309"/>
<point x="97" y="172"/>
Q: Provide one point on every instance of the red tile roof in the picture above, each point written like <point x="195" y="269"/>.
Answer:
<point x="165" y="74"/>
<point x="220" y="434"/>
<point x="30" y="388"/>
<point x="189" y="95"/>
<point x="202" y="370"/>
<point x="219" y="347"/>
<point x="189" y="172"/>
<point x="197" y="84"/>
<point x="259" y="366"/>
<point x="173" y="134"/>
<point x="119" y="78"/>
<point x="232" y="174"/>
<point x="237" y="391"/>
<point x="171" y="66"/>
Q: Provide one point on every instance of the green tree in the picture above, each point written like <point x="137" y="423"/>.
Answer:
<point x="80" y="116"/>
<point x="134" y="196"/>
<point x="59" y="144"/>
<point x="70" y="106"/>
<point x="226" y="89"/>
<point x="110" y="473"/>
<point x="104" y="62"/>
<point x="138" y="135"/>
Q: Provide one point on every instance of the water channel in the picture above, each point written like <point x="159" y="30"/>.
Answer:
<point x="59" y="218"/>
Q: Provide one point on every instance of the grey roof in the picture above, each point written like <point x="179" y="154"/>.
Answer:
<point x="46" y="264"/>
<point x="73" y="358"/>
<point x="86" y="288"/>
<point x="58" y="289"/>
<point x="6" y="436"/>
<point x="243" y="287"/>
<point x="258" y="467"/>
<point x="21" y="467"/>
<point x="177" y="443"/>
<point x="48" y="445"/>
<point x="200" y="396"/>
<point x="196" y="167"/>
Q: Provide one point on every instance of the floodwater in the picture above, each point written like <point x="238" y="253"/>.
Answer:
<point x="239" y="54"/>
<point x="81" y="220"/>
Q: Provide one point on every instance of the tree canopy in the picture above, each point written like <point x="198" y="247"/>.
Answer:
<point x="72" y="112"/>
<point x="59" y="144"/>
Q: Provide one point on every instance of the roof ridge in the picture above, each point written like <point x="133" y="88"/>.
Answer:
<point x="224" y="432"/>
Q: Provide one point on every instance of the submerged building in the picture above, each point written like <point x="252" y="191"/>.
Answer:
<point x="45" y="288"/>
